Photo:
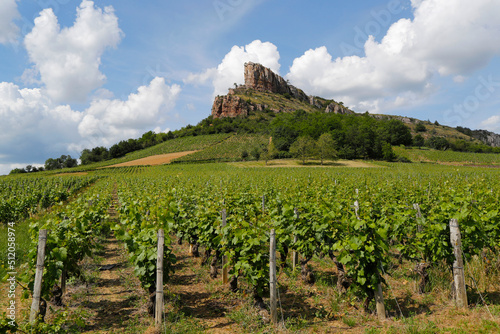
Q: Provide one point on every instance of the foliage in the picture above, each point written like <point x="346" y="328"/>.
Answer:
<point x="65" y="161"/>
<point x="420" y="127"/>
<point x="418" y="140"/>
<point x="23" y="197"/>
<point x="269" y="152"/>
<point x="326" y="147"/>
<point x="303" y="148"/>
<point x="438" y="143"/>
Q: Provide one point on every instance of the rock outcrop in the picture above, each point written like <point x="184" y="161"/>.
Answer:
<point x="262" y="79"/>
<point x="229" y="106"/>
<point x="338" y="109"/>
<point x="487" y="137"/>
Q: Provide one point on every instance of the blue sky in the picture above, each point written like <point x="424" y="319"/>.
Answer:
<point x="78" y="74"/>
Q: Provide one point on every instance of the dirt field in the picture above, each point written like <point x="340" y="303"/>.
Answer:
<point x="72" y="174"/>
<point x="153" y="160"/>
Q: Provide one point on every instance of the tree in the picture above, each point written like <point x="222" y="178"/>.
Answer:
<point x="395" y="132"/>
<point x="418" y="141"/>
<point x="270" y="151"/>
<point x="17" y="171"/>
<point x="387" y="152"/>
<point x="68" y="162"/>
<point x="255" y="152"/>
<point x="51" y="164"/>
<point x="65" y="161"/>
<point x="438" y="143"/>
<point x="325" y="147"/>
<point x="303" y="148"/>
<point x="420" y="127"/>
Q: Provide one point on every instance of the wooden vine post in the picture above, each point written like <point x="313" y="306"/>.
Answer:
<point x="159" y="280"/>
<point x="35" y="305"/>
<point x="225" y="275"/>
<point x="379" y="301"/>
<point x="63" y="280"/>
<point x="272" y="277"/>
<point x="295" y="254"/>
<point x="458" y="265"/>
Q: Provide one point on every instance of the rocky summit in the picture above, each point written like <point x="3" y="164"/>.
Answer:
<point x="262" y="79"/>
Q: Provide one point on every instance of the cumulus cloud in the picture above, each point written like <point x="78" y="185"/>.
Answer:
<point x="36" y="125"/>
<point x="8" y="29"/>
<point x="68" y="59"/>
<point x="452" y="37"/>
<point x="33" y="126"/>
<point x="230" y="70"/>
<point x="492" y="123"/>
<point x="108" y="121"/>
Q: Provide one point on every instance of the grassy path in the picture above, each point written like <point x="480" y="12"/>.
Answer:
<point x="111" y="300"/>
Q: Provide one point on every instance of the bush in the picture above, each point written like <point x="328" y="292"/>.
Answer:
<point x="403" y="159"/>
<point x="420" y="127"/>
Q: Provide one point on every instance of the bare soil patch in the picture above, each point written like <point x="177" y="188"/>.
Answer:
<point x="153" y="160"/>
<point x="72" y="174"/>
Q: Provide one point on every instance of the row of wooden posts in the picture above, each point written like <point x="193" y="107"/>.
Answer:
<point x="458" y="274"/>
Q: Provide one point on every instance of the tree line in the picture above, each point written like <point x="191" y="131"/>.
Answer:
<point x="355" y="136"/>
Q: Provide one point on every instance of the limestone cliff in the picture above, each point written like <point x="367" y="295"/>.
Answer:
<point x="229" y="106"/>
<point x="260" y="79"/>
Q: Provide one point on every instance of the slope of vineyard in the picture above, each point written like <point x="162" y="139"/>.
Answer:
<point x="189" y="143"/>
<point x="462" y="158"/>
<point x="227" y="150"/>
<point x="353" y="229"/>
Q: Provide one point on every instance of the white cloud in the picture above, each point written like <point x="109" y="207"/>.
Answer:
<point x="492" y="123"/>
<point x="108" y="121"/>
<point x="452" y="37"/>
<point x="34" y="122"/>
<point x="68" y="59"/>
<point x="8" y="29"/>
<point x="33" y="126"/>
<point x="230" y="70"/>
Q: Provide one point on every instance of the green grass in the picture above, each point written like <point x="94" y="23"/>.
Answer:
<point x="279" y="102"/>
<point x="22" y="246"/>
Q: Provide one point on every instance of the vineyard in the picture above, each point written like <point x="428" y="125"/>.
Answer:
<point x="344" y="239"/>
<point x="452" y="157"/>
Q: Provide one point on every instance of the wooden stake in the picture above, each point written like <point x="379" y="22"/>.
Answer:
<point x="356" y="208"/>
<point x="225" y="275"/>
<point x="159" y="280"/>
<point x="295" y="255"/>
<point x="35" y="305"/>
<point x="272" y="277"/>
<point x="63" y="280"/>
<point x="458" y="265"/>
<point x="379" y="300"/>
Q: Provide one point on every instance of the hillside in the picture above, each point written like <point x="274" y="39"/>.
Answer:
<point x="268" y="92"/>
<point x="268" y="106"/>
